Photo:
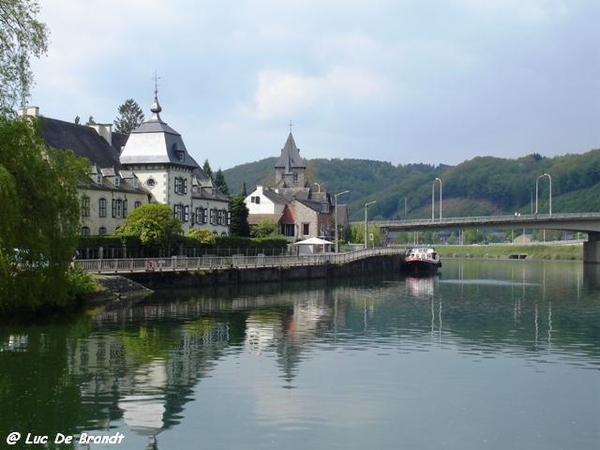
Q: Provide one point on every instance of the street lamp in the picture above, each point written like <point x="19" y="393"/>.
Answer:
<point x="433" y="199"/>
<point x="319" y="186"/>
<point x="367" y="221"/>
<point x="336" y="218"/>
<point x="549" y="195"/>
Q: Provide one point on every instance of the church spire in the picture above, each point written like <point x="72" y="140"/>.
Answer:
<point x="155" y="108"/>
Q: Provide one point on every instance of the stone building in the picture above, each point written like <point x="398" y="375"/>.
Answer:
<point x="299" y="211"/>
<point x="151" y="165"/>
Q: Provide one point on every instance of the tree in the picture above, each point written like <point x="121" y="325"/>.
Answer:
<point x="21" y="36"/>
<point x="220" y="182"/>
<point x="207" y="170"/>
<point x="265" y="227"/>
<point x="154" y="224"/>
<point x="130" y="117"/>
<point x="239" y="217"/>
<point x="39" y="222"/>
<point x="203" y="236"/>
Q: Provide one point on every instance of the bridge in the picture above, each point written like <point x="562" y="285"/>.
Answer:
<point x="578" y="222"/>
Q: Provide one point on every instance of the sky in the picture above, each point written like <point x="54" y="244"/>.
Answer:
<point x="403" y="81"/>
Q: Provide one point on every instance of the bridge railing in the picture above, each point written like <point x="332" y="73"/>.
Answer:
<point x="208" y="262"/>
<point x="488" y="219"/>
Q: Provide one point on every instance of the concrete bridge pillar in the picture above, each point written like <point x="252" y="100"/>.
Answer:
<point x="591" y="248"/>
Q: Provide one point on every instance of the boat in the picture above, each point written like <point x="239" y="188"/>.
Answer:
<point x="422" y="260"/>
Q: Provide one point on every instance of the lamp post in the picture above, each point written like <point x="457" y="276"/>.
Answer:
<point x="433" y="199"/>
<point x="336" y="218"/>
<point x="367" y="221"/>
<point x="549" y="194"/>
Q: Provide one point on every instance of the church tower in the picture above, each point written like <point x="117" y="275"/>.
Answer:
<point x="290" y="167"/>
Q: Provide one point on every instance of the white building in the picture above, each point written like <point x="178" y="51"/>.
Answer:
<point x="151" y="164"/>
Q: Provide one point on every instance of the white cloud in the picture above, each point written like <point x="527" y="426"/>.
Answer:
<point x="281" y="93"/>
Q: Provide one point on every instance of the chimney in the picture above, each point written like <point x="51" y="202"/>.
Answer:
<point x="104" y="130"/>
<point x="29" y="111"/>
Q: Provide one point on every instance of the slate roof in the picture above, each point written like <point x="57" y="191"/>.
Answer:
<point x="276" y="198"/>
<point x="315" y="206"/>
<point x="154" y="141"/>
<point x="290" y="156"/>
<point x="82" y="140"/>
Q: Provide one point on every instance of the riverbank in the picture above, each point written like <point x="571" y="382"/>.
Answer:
<point x="554" y="251"/>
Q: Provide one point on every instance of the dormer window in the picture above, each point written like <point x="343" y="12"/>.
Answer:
<point x="179" y="154"/>
<point x="98" y="178"/>
<point x="117" y="181"/>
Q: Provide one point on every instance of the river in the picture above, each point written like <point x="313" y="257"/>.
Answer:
<point x="485" y="355"/>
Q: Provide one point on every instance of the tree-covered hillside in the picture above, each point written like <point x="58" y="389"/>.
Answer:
<point x="480" y="186"/>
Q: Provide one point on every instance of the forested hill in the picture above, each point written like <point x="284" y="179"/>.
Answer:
<point x="480" y="186"/>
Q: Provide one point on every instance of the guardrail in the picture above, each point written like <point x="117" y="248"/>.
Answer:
<point x="183" y="263"/>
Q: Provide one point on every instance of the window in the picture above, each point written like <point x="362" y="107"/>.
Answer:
<point x="181" y="185"/>
<point x="255" y="199"/>
<point x="117" y="208"/>
<point x="178" y="211"/>
<point x="325" y="207"/>
<point x="150" y="182"/>
<point x="137" y="204"/>
<point x="295" y="176"/>
<point x="85" y="206"/>
<point x="85" y="231"/>
<point x="102" y="231"/>
<point x="305" y="229"/>
<point x="186" y="213"/>
<point x="117" y="181"/>
<point x="102" y="207"/>
<point x="288" y="229"/>
<point x="201" y="216"/>
<point x="124" y="208"/>
<point x="213" y="216"/>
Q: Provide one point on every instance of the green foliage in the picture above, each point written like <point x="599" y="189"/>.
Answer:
<point x="239" y="217"/>
<point x="357" y="234"/>
<point x="219" y="182"/>
<point x="21" y="36"/>
<point x="480" y="186"/>
<point x="154" y="225"/>
<point x="40" y="217"/>
<point x="81" y="284"/>
<point x="264" y="228"/>
<point x="130" y="117"/>
<point x="202" y="236"/>
<point x="207" y="169"/>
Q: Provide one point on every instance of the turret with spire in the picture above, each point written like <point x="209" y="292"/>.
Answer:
<point x="290" y="167"/>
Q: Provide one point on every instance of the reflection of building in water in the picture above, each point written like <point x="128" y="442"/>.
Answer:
<point x="286" y="331"/>
<point x="144" y="408"/>
<point x="144" y="376"/>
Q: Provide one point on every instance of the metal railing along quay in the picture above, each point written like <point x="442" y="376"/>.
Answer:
<point x="183" y="263"/>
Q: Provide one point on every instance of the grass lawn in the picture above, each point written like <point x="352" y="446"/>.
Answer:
<point x="500" y="251"/>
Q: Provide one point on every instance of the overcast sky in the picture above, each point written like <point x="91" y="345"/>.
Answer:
<point x="404" y="81"/>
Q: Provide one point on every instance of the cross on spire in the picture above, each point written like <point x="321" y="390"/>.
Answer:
<point x="156" y="78"/>
<point x="291" y="124"/>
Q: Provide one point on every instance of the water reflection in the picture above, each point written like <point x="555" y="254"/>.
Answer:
<point x="142" y="367"/>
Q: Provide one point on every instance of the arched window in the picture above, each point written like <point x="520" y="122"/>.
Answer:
<point x="85" y="231"/>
